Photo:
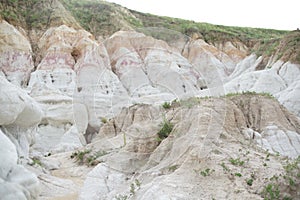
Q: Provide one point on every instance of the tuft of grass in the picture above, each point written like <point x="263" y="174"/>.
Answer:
<point x="265" y="94"/>
<point x="166" y="129"/>
<point x="238" y="174"/>
<point x="249" y="182"/>
<point x="36" y="161"/>
<point x="284" y="186"/>
<point x="206" y="172"/>
<point x="173" y="168"/>
<point x="236" y="161"/>
<point x="121" y="197"/>
<point x="225" y="168"/>
<point x="84" y="157"/>
<point x="271" y="192"/>
<point x="166" y="105"/>
<point x="190" y="102"/>
<point x="103" y="120"/>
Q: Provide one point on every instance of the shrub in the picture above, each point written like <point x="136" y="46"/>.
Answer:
<point x="103" y="120"/>
<point x="166" y="105"/>
<point x="36" y="161"/>
<point x="166" y="129"/>
<point x="236" y="161"/>
<point x="83" y="157"/>
<point x="249" y="182"/>
<point x="284" y="186"/>
<point x="225" y="168"/>
<point x="271" y="192"/>
<point x="206" y="172"/>
<point x="173" y="168"/>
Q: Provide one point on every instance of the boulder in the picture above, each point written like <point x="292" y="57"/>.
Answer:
<point x="17" y="107"/>
<point x="16" y="182"/>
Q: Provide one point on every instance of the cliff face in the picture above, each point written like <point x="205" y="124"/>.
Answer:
<point x="144" y="112"/>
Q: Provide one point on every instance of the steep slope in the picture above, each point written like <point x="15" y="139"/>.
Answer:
<point x="118" y="115"/>
<point x="210" y="151"/>
<point x="103" y="19"/>
<point x="33" y="14"/>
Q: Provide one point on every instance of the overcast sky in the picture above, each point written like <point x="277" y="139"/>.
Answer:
<point x="275" y="14"/>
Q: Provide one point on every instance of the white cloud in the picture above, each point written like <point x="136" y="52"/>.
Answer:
<point x="282" y="15"/>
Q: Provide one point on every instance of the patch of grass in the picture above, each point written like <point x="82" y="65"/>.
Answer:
<point x="121" y="197"/>
<point x="225" y="168"/>
<point x="173" y="168"/>
<point x="190" y="102"/>
<point x="265" y="94"/>
<point x="284" y="186"/>
<point x="79" y="155"/>
<point x="271" y="192"/>
<point x="206" y="172"/>
<point x="132" y="189"/>
<point x="238" y="174"/>
<point x="166" y="129"/>
<point x="268" y="157"/>
<point x="103" y="120"/>
<point x="249" y="182"/>
<point x="236" y="161"/>
<point x="136" y="185"/>
<point x="209" y="32"/>
<point x="84" y="157"/>
<point x="36" y="161"/>
<point x="166" y="105"/>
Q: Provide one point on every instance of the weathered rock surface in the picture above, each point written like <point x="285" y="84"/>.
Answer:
<point x="86" y="94"/>
<point x="143" y="168"/>
<point x="16" y="182"/>
<point x="16" y="54"/>
<point x="280" y="79"/>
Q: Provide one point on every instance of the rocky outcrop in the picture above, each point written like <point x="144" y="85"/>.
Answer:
<point x="279" y="79"/>
<point x="16" y="182"/>
<point x="16" y="54"/>
<point x="19" y="114"/>
<point x="102" y="102"/>
<point x="146" y="66"/>
<point x="139" y="166"/>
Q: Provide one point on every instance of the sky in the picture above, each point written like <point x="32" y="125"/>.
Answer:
<point x="275" y="14"/>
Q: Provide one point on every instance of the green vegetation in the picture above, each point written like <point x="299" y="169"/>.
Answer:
<point x="238" y="174"/>
<point x="190" y="102"/>
<point x="249" y="182"/>
<point x="121" y="197"/>
<point x="236" y="161"/>
<point x="285" y="48"/>
<point x="166" y="129"/>
<point x="209" y="32"/>
<point x="166" y="105"/>
<point x="100" y="17"/>
<point x="36" y="161"/>
<point x="271" y="192"/>
<point x="103" y="19"/>
<point x="103" y="120"/>
<point x="173" y="168"/>
<point x="84" y="157"/>
<point x="136" y="185"/>
<point x="206" y="172"/>
<point x="284" y="186"/>
<point x="35" y="14"/>
<point x="225" y="168"/>
<point x="265" y="94"/>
